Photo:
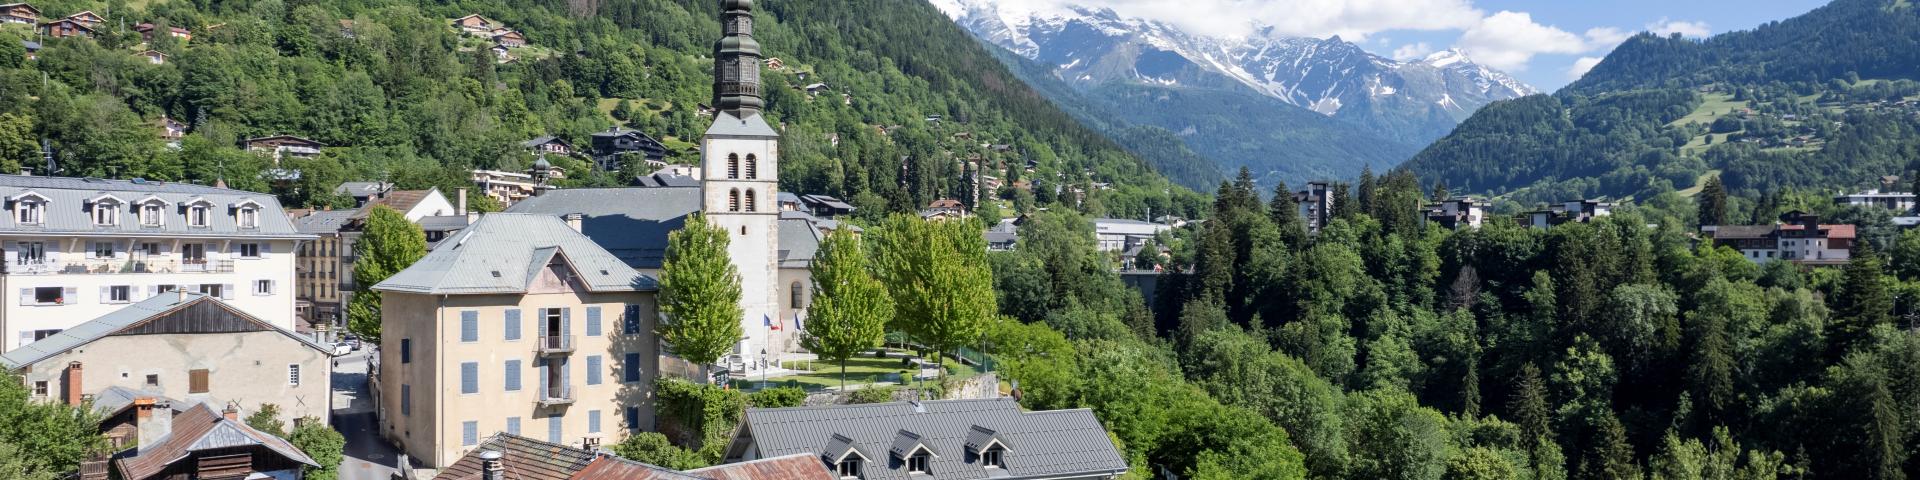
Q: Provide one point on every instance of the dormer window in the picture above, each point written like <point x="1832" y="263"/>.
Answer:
<point x="197" y="216"/>
<point x="850" y="468"/>
<point x="153" y="214"/>
<point x="986" y="444"/>
<point x="994" y="457"/>
<point x="246" y="214"/>
<point x="918" y="463"/>
<point x="914" y="452"/>
<point x="29" y="209"/>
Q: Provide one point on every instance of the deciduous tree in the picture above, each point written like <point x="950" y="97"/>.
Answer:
<point x="850" y="308"/>
<point x="699" y="294"/>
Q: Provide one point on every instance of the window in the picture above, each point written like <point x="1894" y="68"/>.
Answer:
<point x="102" y="250"/>
<point x="733" y="165"/>
<point x="406" y="350"/>
<point x="469" y="326"/>
<point x="106" y="213"/>
<point x="469" y="433"/>
<point x="263" y="287"/>
<point x="513" y="425"/>
<point x="39" y="335"/>
<point x="197" y="216"/>
<point x="469" y="378"/>
<point x="197" y="381"/>
<point x="29" y="212"/>
<point x="593" y="321"/>
<point x="993" y="457"/>
<point x="153" y="380"/>
<point x="633" y="418"/>
<point x="152" y="214"/>
<point x="49" y="296"/>
<point x="850" y="468"/>
<point x="213" y="290"/>
<point x="249" y="250"/>
<point x="512" y="327"/>
<point x="630" y="368"/>
<point x="248" y="217"/>
<point x="630" y="320"/>
<point x="513" y="375"/>
<point x="31" y="253"/>
<point x="293" y="374"/>
<point x="193" y="253"/>
<point x="918" y="463"/>
<point x="147" y="248"/>
<point x="753" y="167"/>
<point x="406" y="399"/>
<point x="166" y="288"/>
<point x="593" y="421"/>
<point x="733" y="200"/>
<point x="750" y="201"/>
<point x="40" y="388"/>
<point x="119" y="294"/>
<point x="798" y="293"/>
<point x="593" y="369"/>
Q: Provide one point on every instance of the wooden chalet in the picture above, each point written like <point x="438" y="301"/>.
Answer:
<point x="66" y="28"/>
<point x="19" y="13"/>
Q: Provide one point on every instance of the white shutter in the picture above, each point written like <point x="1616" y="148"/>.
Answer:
<point x="9" y="245"/>
<point x="152" y="291"/>
<point x="105" y="296"/>
<point x="226" y="292"/>
<point x="70" y="295"/>
<point x="26" y="296"/>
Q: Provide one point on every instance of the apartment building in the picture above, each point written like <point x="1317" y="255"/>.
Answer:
<point x="517" y="324"/>
<point x="320" y="273"/>
<point x="79" y="248"/>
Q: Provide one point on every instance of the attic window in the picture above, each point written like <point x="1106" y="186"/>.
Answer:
<point x="604" y="272"/>
<point x="29" y="209"/>
<point x="918" y="463"/>
<point x="248" y="217"/>
<point x="850" y="468"/>
<point x="994" y="457"/>
<point x="496" y="274"/>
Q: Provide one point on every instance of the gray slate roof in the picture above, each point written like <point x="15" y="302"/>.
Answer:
<point x="725" y="124"/>
<point x="664" y="179"/>
<point x="361" y="189"/>
<point x="633" y="223"/>
<point x="69" y="210"/>
<point x="799" y="242"/>
<point x="503" y="252"/>
<point x="1052" y="444"/>
<point x="118" y="320"/>
<point x="322" y="222"/>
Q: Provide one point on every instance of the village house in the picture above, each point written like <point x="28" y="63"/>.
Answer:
<point x="362" y="192"/>
<point x="509" y="188"/>
<point x="199" y="443"/>
<point x="516" y="296"/>
<point x="816" y="88"/>
<point x="79" y="248"/>
<point x="548" y="144"/>
<point x="33" y="49"/>
<point x="88" y="18"/>
<point x="776" y="64"/>
<point x="155" y="57"/>
<point x="476" y="24"/>
<point x="933" y="440"/>
<point x="1117" y="234"/>
<point x="281" y="146"/>
<point x="1003" y="236"/>
<point x="66" y="28"/>
<point x="825" y="206"/>
<point x="944" y="208"/>
<point x="1457" y="212"/>
<point x="171" y="129"/>
<point x="506" y="456"/>
<point x="19" y="13"/>
<point x="320" y="275"/>
<point x="183" y="346"/>
<point x="509" y="38"/>
<point x="147" y="29"/>
<point x="1799" y="238"/>
<point x="610" y="144"/>
<point x="1897" y="202"/>
<point x="1574" y="211"/>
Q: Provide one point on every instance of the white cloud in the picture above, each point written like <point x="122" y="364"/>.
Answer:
<point x="1605" y="38"/>
<point x="1412" y="51"/>
<point x="1665" y="27"/>
<point x="1508" y="40"/>
<point x="1581" y="66"/>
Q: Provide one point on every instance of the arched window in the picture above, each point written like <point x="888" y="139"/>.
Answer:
<point x="753" y="167"/>
<point x="733" y="165"/>
<point x="799" y="296"/>
<point x="733" y="200"/>
<point x="750" y="201"/>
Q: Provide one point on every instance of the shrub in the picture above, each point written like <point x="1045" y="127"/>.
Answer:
<point x="323" y="444"/>
<point x="778" y="397"/>
<point x="654" y="448"/>
<point x="872" y="394"/>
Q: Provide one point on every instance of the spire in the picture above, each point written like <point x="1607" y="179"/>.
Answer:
<point x="736" y="61"/>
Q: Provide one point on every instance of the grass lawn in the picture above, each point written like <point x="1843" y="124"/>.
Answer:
<point x="863" y="369"/>
<point x="1716" y="104"/>
<point x="1698" y="185"/>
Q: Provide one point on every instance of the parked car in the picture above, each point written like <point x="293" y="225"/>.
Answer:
<point x="353" y="342"/>
<point x="342" y="349"/>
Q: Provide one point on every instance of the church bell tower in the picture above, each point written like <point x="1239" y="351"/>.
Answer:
<point x="740" y="183"/>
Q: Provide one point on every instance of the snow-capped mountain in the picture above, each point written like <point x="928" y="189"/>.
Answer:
<point x="1415" y="101"/>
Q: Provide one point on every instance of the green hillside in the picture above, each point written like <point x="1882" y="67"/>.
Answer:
<point x="396" y="93"/>
<point x="1824" y="100"/>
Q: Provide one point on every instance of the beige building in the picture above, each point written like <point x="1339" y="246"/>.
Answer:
<point x="518" y="324"/>
<point x="185" y="346"/>
<point x="319" y="273"/>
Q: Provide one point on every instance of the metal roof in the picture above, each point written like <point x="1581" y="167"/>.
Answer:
<point x="1052" y="444"/>
<point x="725" y="124"/>
<point x="124" y="318"/>
<point x="631" y="223"/>
<point x="322" y="222"/>
<point x="665" y="179"/>
<point x="799" y="466"/>
<point x="69" y="208"/>
<point x="362" y="189"/>
<point x="504" y="252"/>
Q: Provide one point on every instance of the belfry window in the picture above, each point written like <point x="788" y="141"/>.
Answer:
<point x="750" y="201"/>
<point x="733" y="166"/>
<point x="753" y="167"/>
<point x="733" y="200"/>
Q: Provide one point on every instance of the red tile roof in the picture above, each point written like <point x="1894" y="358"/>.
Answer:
<point x="199" y="428"/>
<point x="799" y="466"/>
<point x="616" y="468"/>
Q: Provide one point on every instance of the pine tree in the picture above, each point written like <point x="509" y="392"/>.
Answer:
<point x="1286" y="215"/>
<point x="850" y="307"/>
<point x="1367" y="190"/>
<point x="1713" y="202"/>
<point x="1860" y="302"/>
<point x="1528" y="405"/>
<point x="1440" y="193"/>
<point x="1609" y="455"/>
<point x="387" y="245"/>
<point x="699" y="294"/>
<point x="1710" y="374"/>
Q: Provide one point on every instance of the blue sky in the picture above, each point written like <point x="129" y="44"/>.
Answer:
<point x="1547" y="43"/>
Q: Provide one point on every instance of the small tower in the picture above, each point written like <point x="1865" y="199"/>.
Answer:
<point x="740" y="188"/>
<point x="541" y="171"/>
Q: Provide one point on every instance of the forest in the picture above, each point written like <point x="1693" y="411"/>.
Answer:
<point x="397" y="94"/>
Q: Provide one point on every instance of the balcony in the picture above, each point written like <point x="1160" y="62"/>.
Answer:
<point x="107" y="267"/>
<point x="556" y="395"/>
<point x="555" y="344"/>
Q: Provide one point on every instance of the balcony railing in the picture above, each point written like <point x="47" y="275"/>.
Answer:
<point x="556" y="395"/>
<point x="556" y="344"/>
<point x="102" y="266"/>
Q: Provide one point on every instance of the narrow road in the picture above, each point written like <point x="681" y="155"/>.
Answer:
<point x="368" y="456"/>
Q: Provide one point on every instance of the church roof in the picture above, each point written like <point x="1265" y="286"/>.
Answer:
<point x="504" y="252"/>
<point x="727" y="125"/>
<point x="632" y="223"/>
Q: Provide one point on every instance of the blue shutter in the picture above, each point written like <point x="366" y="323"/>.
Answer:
<point x="631" y="368"/>
<point x="513" y="425"/>
<point x="553" y="429"/>
<point x="566" y="373"/>
<point x="593" y="421"/>
<point x="540" y="370"/>
<point x="512" y="326"/>
<point x="513" y="375"/>
<point x="469" y="433"/>
<point x="540" y="322"/>
<point x="469" y="377"/>
<point x="633" y="418"/>
<point x="566" y="322"/>
<point x="630" y="320"/>
<point x="469" y="326"/>
<point x="593" y="321"/>
<point x="593" y="370"/>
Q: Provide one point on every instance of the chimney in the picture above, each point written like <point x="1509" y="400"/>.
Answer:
<point x="153" y="419"/>
<point x="490" y="468"/>
<point x="460" y="205"/>
<point x="232" y="412"/>
<point x="573" y="221"/>
<point x="73" y="387"/>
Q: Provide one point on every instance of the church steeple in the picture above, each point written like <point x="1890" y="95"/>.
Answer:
<point x="736" y="61"/>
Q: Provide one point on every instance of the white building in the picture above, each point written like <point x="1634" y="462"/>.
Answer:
<point x="1458" y="212"/>
<point x="1117" y="234"/>
<point x="77" y="249"/>
<point x="1898" y="202"/>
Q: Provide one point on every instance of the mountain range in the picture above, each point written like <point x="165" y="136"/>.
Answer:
<point x="1378" y="110"/>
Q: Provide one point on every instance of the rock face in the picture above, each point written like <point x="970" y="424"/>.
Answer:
<point x="1414" y="101"/>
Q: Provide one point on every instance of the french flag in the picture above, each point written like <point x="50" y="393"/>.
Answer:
<point x="768" y="321"/>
